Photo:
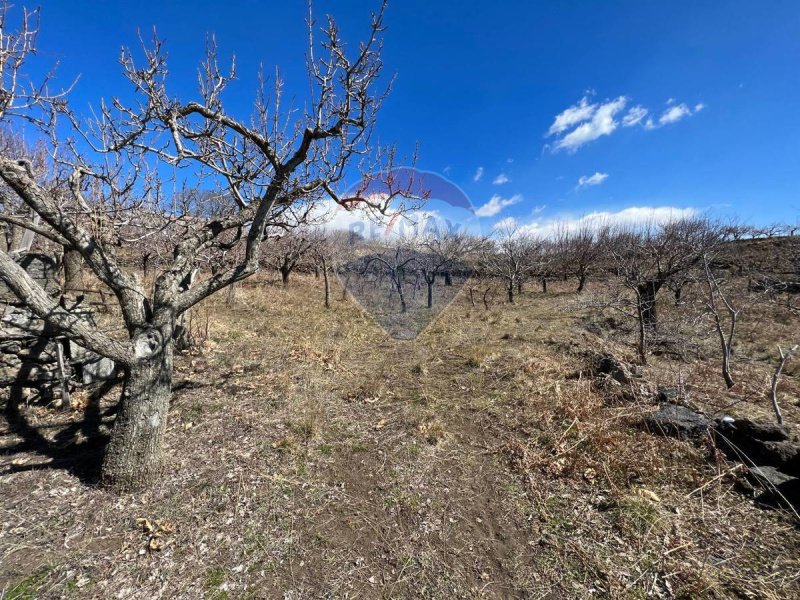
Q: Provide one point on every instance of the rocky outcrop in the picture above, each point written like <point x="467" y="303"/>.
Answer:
<point x="759" y="443"/>
<point x="677" y="421"/>
<point x="618" y="370"/>
<point x="776" y="484"/>
<point x="619" y="381"/>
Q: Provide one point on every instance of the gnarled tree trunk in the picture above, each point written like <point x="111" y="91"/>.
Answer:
<point x="646" y="297"/>
<point x="581" y="282"/>
<point x="73" y="265"/>
<point x="134" y="457"/>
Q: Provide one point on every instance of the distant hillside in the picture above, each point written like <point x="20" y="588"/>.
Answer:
<point x="779" y="256"/>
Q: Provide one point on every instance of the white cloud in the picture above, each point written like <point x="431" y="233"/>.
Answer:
<point x="674" y="114"/>
<point x="585" y="122"/>
<point x="501" y="179"/>
<point x="508" y="223"/>
<point x="597" y="122"/>
<point x="497" y="204"/>
<point x="478" y="174"/>
<point x="410" y="224"/>
<point x="572" y="116"/>
<point x="631" y="216"/>
<point x="634" y="116"/>
<point x="595" y="179"/>
<point x="539" y="208"/>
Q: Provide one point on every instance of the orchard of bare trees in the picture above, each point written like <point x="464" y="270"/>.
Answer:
<point x="247" y="350"/>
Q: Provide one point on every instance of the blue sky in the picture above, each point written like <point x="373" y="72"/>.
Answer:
<point x="480" y="84"/>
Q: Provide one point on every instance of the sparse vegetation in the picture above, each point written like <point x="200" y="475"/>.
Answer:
<point x="329" y="471"/>
<point x="401" y="415"/>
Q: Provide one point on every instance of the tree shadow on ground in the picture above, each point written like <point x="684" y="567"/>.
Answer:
<point x="77" y="447"/>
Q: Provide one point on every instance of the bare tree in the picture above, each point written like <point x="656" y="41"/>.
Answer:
<point x="270" y="169"/>
<point x="288" y="251"/>
<point x="647" y="257"/>
<point x="509" y="258"/>
<point x="395" y="262"/>
<point x="542" y="258"/>
<point x="580" y="248"/>
<point x="717" y="300"/>
<point x="783" y="359"/>
<point x="15" y="214"/>
<point x="440" y="252"/>
<point x="329" y="249"/>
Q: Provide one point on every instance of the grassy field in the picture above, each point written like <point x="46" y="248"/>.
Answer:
<point x="311" y="455"/>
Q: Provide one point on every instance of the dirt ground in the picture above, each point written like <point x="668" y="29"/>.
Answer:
<point x="310" y="455"/>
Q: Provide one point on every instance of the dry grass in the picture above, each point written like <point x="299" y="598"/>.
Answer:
<point x="311" y="455"/>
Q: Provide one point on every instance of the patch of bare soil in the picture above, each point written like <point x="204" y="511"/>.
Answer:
<point x="312" y="456"/>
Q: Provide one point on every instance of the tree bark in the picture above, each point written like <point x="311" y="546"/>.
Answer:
<point x="511" y="291"/>
<point x="544" y="285"/>
<point x="646" y="296"/>
<point x="448" y="279"/>
<point x="134" y="457"/>
<point x="642" y="343"/>
<point x="581" y="283"/>
<point x="784" y="357"/>
<point x="725" y="347"/>
<point x="145" y="266"/>
<point x="73" y="279"/>
<point x="285" y="276"/>
<point x="726" y="368"/>
<point x="326" y="283"/>
<point x="399" y="285"/>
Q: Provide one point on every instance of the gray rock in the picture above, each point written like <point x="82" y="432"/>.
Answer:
<point x="777" y="484"/>
<point x="29" y="374"/>
<point x="618" y="370"/>
<point x="28" y="350"/>
<point x="784" y="455"/>
<point x="759" y="430"/>
<point x="756" y="442"/>
<point x="668" y="394"/>
<point x="41" y="267"/>
<point x="10" y="347"/>
<point x="770" y="476"/>
<point x="18" y="323"/>
<point x="676" y="421"/>
<point x="101" y="369"/>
